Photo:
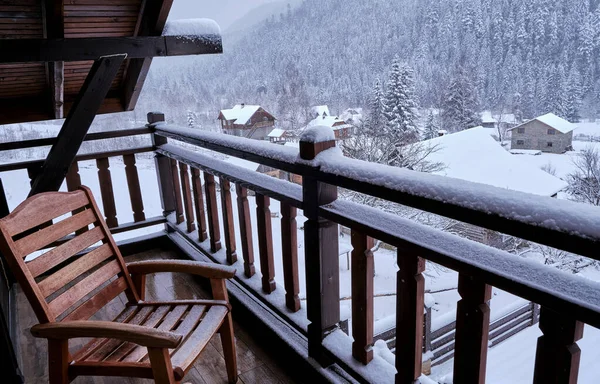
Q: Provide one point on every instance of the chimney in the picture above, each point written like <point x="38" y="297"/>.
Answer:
<point x="243" y="105"/>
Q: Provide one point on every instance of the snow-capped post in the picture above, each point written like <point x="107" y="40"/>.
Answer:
<point x="410" y="288"/>
<point x="321" y="247"/>
<point x="472" y="330"/>
<point x="557" y="356"/>
<point x="163" y="166"/>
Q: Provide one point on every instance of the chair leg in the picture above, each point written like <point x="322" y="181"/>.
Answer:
<point x="58" y="361"/>
<point x="162" y="370"/>
<point x="228" y="341"/>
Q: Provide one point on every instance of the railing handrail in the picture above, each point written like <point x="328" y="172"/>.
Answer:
<point x="48" y="141"/>
<point x="82" y="157"/>
<point x="562" y="224"/>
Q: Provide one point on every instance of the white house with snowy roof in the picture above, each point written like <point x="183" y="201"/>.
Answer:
<point x="547" y="133"/>
<point x="474" y="155"/>
<point x="342" y="129"/>
<point x="250" y="121"/>
<point x="319" y="111"/>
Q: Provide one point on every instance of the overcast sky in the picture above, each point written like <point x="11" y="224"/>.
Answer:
<point x="224" y="12"/>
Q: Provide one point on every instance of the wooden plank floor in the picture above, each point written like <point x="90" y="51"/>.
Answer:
<point x="254" y="364"/>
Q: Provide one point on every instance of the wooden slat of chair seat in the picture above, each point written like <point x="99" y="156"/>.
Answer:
<point x="185" y="355"/>
<point x="151" y="321"/>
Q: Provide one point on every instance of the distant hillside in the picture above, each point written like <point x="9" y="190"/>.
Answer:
<point x="261" y="14"/>
<point x="537" y="56"/>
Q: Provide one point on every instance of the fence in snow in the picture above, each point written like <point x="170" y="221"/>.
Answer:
<point x="441" y="341"/>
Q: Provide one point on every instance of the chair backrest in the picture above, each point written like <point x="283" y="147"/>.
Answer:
<point x="72" y="280"/>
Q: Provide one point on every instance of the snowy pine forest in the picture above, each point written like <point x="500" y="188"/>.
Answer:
<point x="523" y="57"/>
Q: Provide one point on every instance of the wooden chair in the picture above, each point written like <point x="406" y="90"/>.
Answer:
<point x="68" y="284"/>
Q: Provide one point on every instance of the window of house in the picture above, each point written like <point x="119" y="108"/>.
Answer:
<point x="520" y="142"/>
<point x="551" y="131"/>
<point x="549" y="144"/>
<point x="520" y="130"/>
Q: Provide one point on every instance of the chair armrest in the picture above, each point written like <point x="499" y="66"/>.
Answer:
<point x="144" y="336"/>
<point x="207" y="270"/>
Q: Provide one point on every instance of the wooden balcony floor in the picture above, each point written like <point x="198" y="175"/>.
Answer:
<point x="254" y="363"/>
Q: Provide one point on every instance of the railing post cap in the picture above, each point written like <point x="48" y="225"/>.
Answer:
<point x="155" y="117"/>
<point x="315" y="140"/>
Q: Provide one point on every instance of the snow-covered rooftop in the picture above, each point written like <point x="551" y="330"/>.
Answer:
<point x="329" y="121"/>
<point x="192" y="27"/>
<point x="240" y="114"/>
<point x="473" y="155"/>
<point x="320" y="110"/>
<point x="486" y="117"/>
<point x="277" y="133"/>
<point x="555" y="122"/>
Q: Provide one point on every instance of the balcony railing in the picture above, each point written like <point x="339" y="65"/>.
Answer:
<point x="187" y="179"/>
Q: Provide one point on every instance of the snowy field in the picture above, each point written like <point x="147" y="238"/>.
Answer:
<point x="509" y="362"/>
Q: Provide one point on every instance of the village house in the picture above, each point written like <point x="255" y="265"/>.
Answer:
<point x="250" y="121"/>
<point x="319" y="111"/>
<point x="342" y="129"/>
<point x="353" y="116"/>
<point x="503" y="121"/>
<point x="281" y="136"/>
<point x="547" y="133"/>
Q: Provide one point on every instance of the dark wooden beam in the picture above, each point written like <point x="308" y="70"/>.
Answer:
<point x="54" y="27"/>
<point x="151" y="24"/>
<point x="81" y="49"/>
<point x="77" y="124"/>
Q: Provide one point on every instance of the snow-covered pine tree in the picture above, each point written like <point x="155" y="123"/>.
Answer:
<point x="460" y="105"/>
<point x="432" y="128"/>
<point x="373" y="124"/>
<point x="191" y="119"/>
<point x="399" y="106"/>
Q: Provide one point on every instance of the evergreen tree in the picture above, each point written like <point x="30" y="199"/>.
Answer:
<point x="431" y="129"/>
<point x="399" y="105"/>
<point x="374" y="121"/>
<point x="191" y="119"/>
<point x="460" y="106"/>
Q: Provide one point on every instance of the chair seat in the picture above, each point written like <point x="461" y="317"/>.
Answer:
<point x="195" y="322"/>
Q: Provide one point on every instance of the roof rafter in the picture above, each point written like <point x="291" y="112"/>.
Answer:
<point x="81" y="49"/>
<point x="54" y="27"/>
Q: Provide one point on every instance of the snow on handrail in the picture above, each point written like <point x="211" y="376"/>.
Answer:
<point x="269" y="186"/>
<point x="564" y="224"/>
<point x="261" y="152"/>
<point x="523" y="277"/>
<point x="563" y="216"/>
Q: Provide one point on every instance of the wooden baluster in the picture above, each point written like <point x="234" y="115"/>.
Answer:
<point x="73" y="178"/>
<point x="133" y="184"/>
<point x="362" y="297"/>
<point x="177" y="188"/>
<point x="187" y="197"/>
<point x="321" y="247"/>
<point x="472" y="330"/>
<point x="245" y="230"/>
<point x="106" y="190"/>
<point x="73" y="183"/>
<point x="289" y="242"/>
<point x="213" y="215"/>
<point x="199" y="204"/>
<point x="228" y="224"/>
<point x="163" y="167"/>
<point x="265" y="242"/>
<point x="557" y="356"/>
<point x="410" y="288"/>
